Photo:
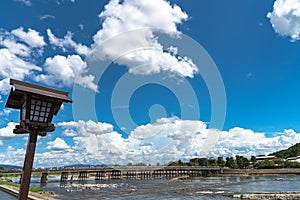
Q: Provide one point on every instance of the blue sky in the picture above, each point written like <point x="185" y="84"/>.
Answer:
<point x="154" y="81"/>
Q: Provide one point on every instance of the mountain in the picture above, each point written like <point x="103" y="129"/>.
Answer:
<point x="292" y="151"/>
<point x="8" y="167"/>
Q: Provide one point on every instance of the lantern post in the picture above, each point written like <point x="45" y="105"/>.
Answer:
<point x="37" y="105"/>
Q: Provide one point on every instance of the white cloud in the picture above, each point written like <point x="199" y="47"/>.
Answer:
<point x="89" y="127"/>
<point x="247" y="142"/>
<point x="22" y="43"/>
<point x="170" y="139"/>
<point x="13" y="66"/>
<point x="59" y="2"/>
<point x="31" y="37"/>
<point x="57" y="145"/>
<point x="69" y="132"/>
<point x="4" y="87"/>
<point x="285" y="18"/>
<point x="67" y="43"/>
<point x="6" y="133"/>
<point x="117" y="18"/>
<point x="47" y="16"/>
<point x="5" y="111"/>
<point x="12" y="156"/>
<point x="163" y="141"/>
<point x="62" y="71"/>
<point x="26" y="2"/>
<point x="140" y="51"/>
<point x="16" y="48"/>
<point x="81" y="26"/>
<point x="17" y="55"/>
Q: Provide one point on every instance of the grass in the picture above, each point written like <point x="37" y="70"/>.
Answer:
<point x="10" y="175"/>
<point x="31" y="188"/>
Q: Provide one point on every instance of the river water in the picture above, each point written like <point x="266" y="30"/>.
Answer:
<point x="215" y="188"/>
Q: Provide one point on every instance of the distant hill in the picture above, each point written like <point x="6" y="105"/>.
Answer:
<point x="8" y="167"/>
<point x="292" y="151"/>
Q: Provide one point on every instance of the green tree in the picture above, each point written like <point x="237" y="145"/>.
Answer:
<point x="140" y="164"/>
<point x="253" y="159"/>
<point x="220" y="162"/>
<point x="212" y="162"/>
<point x="190" y="163"/>
<point x="202" y="162"/>
<point x="292" y="151"/>
<point x="230" y="162"/>
<point x="265" y="164"/>
<point x="242" y="162"/>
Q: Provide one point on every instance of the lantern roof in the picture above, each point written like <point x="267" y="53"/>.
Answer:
<point x="21" y="88"/>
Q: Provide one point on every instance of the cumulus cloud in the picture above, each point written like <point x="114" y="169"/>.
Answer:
<point x="140" y="50"/>
<point x="117" y="18"/>
<point x="67" y="43"/>
<point x="21" y="48"/>
<point x="246" y="142"/>
<point x="89" y="127"/>
<point x="166" y="140"/>
<point x="57" y="145"/>
<point x="6" y="133"/>
<point x="31" y="37"/>
<point x="12" y="156"/>
<point x="170" y="139"/>
<point x="4" y="87"/>
<point x="13" y="66"/>
<point x="69" y="132"/>
<point x="285" y="18"/>
<point x="22" y="43"/>
<point x="18" y="50"/>
<point x="62" y="71"/>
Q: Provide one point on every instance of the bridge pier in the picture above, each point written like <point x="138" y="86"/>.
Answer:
<point x="131" y="174"/>
<point x="64" y="177"/>
<point x="116" y="174"/>
<point x="44" y="178"/>
<point x="83" y="175"/>
<point x="100" y="175"/>
<point x="145" y="175"/>
<point x="158" y="173"/>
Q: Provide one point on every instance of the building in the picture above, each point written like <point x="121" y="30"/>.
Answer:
<point x="294" y="159"/>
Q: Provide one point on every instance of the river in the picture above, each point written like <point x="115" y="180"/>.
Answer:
<point x="200" y="188"/>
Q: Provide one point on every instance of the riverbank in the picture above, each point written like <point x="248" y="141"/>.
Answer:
<point x="270" y="196"/>
<point x="31" y="196"/>
<point x="260" y="172"/>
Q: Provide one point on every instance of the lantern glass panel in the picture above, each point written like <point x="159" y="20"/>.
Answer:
<point x="23" y="111"/>
<point x="40" y="110"/>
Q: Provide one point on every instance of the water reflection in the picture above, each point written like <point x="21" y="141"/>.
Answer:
<point x="6" y="196"/>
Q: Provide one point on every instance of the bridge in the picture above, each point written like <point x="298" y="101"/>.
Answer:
<point x="124" y="172"/>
